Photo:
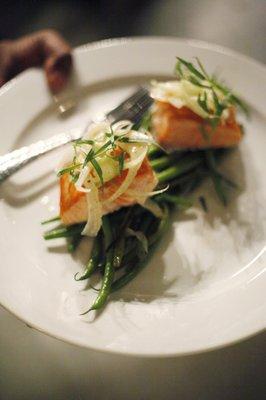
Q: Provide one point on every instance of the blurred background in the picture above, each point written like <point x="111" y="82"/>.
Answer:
<point x="239" y="24"/>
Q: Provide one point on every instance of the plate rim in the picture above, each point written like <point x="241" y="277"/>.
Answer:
<point x="121" y="353"/>
<point x="104" y="43"/>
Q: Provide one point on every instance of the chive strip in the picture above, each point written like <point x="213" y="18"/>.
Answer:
<point x="64" y="231"/>
<point x="48" y="221"/>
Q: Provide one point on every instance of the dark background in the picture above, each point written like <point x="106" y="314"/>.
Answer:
<point x="239" y="24"/>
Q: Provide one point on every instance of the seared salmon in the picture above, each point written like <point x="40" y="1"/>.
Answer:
<point x="73" y="204"/>
<point x="181" y="128"/>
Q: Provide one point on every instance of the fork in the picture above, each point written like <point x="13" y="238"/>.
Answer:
<point x="132" y="109"/>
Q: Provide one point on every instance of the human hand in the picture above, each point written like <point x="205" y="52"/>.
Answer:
<point x="45" y="49"/>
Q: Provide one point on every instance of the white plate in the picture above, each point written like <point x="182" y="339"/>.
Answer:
<point x="206" y="285"/>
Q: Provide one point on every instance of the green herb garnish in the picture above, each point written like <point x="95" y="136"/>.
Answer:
<point x="197" y="75"/>
<point x="101" y="148"/>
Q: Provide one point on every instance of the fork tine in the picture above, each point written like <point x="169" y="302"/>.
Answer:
<point x="125" y="105"/>
<point x="133" y="107"/>
<point x="137" y="111"/>
<point x="132" y="99"/>
<point x="128" y="109"/>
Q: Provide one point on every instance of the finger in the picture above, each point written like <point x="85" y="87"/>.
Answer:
<point x="58" y="68"/>
<point x="5" y="61"/>
<point x="45" y="48"/>
<point x="57" y="59"/>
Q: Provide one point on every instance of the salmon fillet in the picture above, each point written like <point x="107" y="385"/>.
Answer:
<point x="73" y="204"/>
<point x="180" y="128"/>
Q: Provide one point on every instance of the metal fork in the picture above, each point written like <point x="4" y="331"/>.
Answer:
<point x="132" y="109"/>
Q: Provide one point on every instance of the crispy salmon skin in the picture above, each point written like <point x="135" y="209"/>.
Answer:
<point x="73" y="204"/>
<point x="181" y="128"/>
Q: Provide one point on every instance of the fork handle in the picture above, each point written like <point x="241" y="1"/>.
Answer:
<point x="132" y="108"/>
<point x="11" y="162"/>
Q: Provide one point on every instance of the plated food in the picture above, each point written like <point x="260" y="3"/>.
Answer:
<point x="196" y="111"/>
<point x="204" y="285"/>
<point x="122" y="181"/>
<point x="110" y="170"/>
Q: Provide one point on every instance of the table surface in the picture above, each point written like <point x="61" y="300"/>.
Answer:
<point x="35" y="366"/>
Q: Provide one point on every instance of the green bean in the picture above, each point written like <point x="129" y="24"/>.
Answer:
<point x="120" y="241"/>
<point x="64" y="231"/>
<point x="217" y="182"/>
<point x="163" y="225"/>
<point x="197" y="173"/>
<point x="130" y="274"/>
<point x="73" y="243"/>
<point x="203" y="203"/>
<point x="179" y="201"/>
<point x="108" y="270"/>
<point x="160" y="162"/>
<point x="133" y="271"/>
<point x="107" y="231"/>
<point x="153" y="241"/>
<point x="119" y="249"/>
<point x="94" y="259"/>
<point x="106" y="284"/>
<point x="166" y="160"/>
<point x="189" y="186"/>
<point x="182" y="166"/>
<point x="228" y="181"/>
<point x="215" y="176"/>
<point x="143" y="226"/>
<point x="146" y="222"/>
<point x="210" y="160"/>
<point x="154" y="151"/>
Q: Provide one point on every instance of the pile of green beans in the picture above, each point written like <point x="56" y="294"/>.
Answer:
<point x="117" y="254"/>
